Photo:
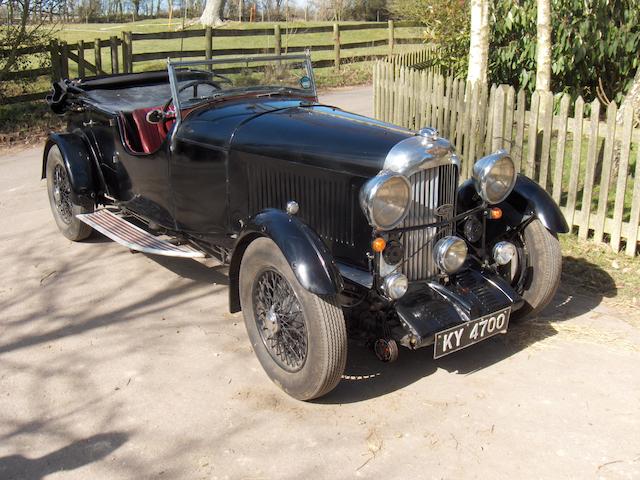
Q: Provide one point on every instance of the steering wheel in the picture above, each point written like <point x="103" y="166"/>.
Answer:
<point x="164" y="112"/>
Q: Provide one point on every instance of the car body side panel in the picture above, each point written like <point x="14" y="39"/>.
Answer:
<point x="199" y="184"/>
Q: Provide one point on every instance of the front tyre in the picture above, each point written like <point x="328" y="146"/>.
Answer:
<point x="299" y="338"/>
<point x="541" y="267"/>
<point x="63" y="205"/>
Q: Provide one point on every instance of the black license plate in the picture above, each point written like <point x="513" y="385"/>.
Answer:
<point x="461" y="336"/>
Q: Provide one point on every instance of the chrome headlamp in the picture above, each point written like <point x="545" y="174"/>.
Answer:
<point x="494" y="176"/>
<point x="450" y="253"/>
<point x="385" y="199"/>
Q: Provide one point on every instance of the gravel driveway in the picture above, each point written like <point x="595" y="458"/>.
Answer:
<point x="114" y="365"/>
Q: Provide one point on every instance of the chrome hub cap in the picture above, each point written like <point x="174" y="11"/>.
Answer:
<point x="271" y="323"/>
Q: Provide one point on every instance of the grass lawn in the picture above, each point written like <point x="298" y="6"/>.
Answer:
<point x="589" y="268"/>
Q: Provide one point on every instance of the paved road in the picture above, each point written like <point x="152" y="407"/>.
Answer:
<point x="122" y="366"/>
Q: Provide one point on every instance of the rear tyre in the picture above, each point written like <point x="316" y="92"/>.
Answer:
<point x="299" y="338"/>
<point x="542" y="263"/>
<point x="61" y="199"/>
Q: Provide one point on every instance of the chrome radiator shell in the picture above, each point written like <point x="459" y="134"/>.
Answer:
<point x="430" y="190"/>
<point x="432" y="167"/>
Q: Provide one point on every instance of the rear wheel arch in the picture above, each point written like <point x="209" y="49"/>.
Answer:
<point x="65" y="206"/>
<point x="78" y="161"/>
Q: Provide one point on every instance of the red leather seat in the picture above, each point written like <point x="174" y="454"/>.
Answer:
<point x="151" y="135"/>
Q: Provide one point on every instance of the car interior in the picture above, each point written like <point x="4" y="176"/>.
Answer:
<point x="132" y="97"/>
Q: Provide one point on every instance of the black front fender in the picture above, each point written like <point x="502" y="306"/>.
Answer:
<point x="528" y="199"/>
<point x="77" y="158"/>
<point x="308" y="256"/>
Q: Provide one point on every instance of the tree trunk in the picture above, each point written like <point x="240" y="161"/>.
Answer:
<point x="479" y="44"/>
<point x="543" y="47"/>
<point x="631" y="99"/>
<point x="212" y="14"/>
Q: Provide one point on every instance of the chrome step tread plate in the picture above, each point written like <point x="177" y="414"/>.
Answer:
<point x="131" y="236"/>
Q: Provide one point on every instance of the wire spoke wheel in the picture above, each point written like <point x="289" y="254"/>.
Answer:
<point x="280" y="320"/>
<point x="62" y="194"/>
<point x="64" y="205"/>
<point x="299" y="337"/>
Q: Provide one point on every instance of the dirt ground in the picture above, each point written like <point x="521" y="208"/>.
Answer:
<point x="121" y="366"/>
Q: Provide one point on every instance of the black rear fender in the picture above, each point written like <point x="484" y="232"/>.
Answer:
<point x="527" y="200"/>
<point x="309" y="258"/>
<point x="78" y="160"/>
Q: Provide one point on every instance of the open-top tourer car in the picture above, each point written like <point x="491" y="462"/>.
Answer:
<point x="330" y="222"/>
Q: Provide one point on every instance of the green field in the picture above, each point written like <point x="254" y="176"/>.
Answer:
<point x="291" y="37"/>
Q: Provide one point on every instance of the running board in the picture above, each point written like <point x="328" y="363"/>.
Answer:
<point x="125" y="233"/>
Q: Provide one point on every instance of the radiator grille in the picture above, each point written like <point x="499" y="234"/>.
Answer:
<point x="326" y="201"/>
<point x="430" y="189"/>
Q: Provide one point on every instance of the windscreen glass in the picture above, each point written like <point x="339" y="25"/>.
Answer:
<point x="263" y="76"/>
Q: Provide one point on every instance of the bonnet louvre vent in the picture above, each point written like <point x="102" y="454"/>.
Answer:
<point x="326" y="204"/>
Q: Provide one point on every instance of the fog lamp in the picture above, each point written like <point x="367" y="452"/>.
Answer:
<point x="450" y="253"/>
<point x="503" y="252"/>
<point x="395" y="285"/>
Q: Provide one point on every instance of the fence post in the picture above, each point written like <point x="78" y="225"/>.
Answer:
<point x="55" y="60"/>
<point x="277" y="39"/>
<point x="391" y="37"/>
<point x="592" y="159"/>
<point x="81" y="58"/>
<point x="114" y="55"/>
<point x="129" y="53"/>
<point x="64" y="57"/>
<point x="124" y="52"/>
<point x="208" y="45"/>
<point x="97" y="54"/>
<point x="621" y="184"/>
<point x="127" y="56"/>
<point x="336" y="45"/>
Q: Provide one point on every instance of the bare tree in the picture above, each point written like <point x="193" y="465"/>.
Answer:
<point x="212" y="15"/>
<point x="27" y="26"/>
<point x="479" y="41"/>
<point x="543" y="46"/>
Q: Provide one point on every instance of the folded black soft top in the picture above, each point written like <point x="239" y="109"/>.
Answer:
<point x="120" y="92"/>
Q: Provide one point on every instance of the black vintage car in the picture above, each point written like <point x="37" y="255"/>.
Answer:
<point x="330" y="222"/>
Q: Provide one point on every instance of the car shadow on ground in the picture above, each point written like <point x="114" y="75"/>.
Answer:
<point x="74" y="455"/>
<point x="366" y="377"/>
<point x="193" y="270"/>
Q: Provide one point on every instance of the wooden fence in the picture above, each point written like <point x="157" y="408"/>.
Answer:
<point x="588" y="163"/>
<point x="122" y="57"/>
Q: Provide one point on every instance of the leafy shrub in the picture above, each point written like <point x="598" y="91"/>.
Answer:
<point x="446" y="24"/>
<point x="594" y="41"/>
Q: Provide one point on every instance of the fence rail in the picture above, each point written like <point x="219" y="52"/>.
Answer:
<point x="122" y="57"/>
<point x="588" y="164"/>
